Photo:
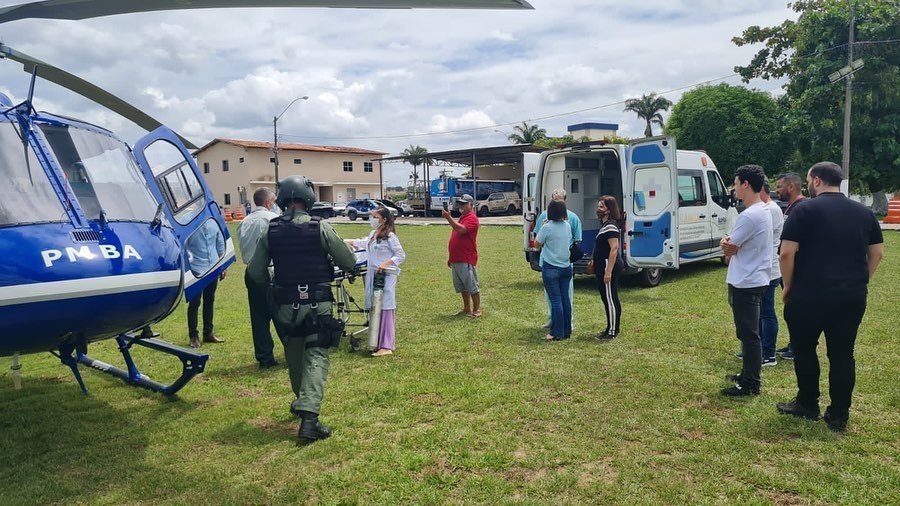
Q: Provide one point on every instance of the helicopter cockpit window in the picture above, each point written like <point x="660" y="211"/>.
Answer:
<point x="26" y="195"/>
<point x="179" y="184"/>
<point x="101" y="173"/>
<point x="205" y="247"/>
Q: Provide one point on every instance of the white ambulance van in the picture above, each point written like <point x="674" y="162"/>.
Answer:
<point x="675" y="203"/>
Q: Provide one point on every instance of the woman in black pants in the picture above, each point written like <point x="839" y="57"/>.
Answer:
<point x="608" y="265"/>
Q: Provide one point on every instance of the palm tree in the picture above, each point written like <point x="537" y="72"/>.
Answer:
<point x="415" y="156"/>
<point x="648" y="108"/>
<point x="527" y="134"/>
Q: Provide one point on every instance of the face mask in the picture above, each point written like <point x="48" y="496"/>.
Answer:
<point x="374" y="221"/>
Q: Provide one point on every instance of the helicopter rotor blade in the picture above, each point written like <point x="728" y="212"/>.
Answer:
<point x="84" y="9"/>
<point x="86" y="89"/>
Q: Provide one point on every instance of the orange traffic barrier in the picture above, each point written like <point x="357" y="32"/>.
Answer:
<point x="239" y="214"/>
<point x="893" y="215"/>
<point x="227" y="214"/>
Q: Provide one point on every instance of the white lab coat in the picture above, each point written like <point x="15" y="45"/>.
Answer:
<point x="377" y="251"/>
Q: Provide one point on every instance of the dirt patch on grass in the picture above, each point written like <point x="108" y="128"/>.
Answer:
<point x="783" y="498"/>
<point x="248" y="393"/>
<point x="280" y="426"/>
<point x="600" y="471"/>
<point x="430" y="398"/>
<point x="521" y="475"/>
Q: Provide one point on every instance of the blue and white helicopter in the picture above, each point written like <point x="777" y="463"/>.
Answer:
<point x="94" y="234"/>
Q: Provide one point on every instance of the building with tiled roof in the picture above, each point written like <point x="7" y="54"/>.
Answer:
<point x="234" y="169"/>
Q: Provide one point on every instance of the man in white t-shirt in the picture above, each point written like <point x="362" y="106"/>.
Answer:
<point x="768" y="321"/>
<point x="749" y="273"/>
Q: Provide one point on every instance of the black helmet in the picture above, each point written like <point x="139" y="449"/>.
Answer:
<point x="295" y="188"/>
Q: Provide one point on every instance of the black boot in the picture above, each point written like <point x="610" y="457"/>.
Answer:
<point x="311" y="429"/>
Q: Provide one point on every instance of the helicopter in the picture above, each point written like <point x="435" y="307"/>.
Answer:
<point x="106" y="250"/>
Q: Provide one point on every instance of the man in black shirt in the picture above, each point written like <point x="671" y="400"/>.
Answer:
<point x="830" y="249"/>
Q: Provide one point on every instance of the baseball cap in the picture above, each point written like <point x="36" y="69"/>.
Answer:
<point x="466" y="198"/>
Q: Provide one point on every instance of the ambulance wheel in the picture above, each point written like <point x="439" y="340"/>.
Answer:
<point x="650" y="277"/>
<point x="352" y="215"/>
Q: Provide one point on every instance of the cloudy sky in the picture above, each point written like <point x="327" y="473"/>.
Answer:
<point x="443" y="79"/>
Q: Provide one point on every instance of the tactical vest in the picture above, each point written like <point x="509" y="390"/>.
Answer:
<point x="297" y="253"/>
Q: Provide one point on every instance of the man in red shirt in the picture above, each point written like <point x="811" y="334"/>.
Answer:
<point x="464" y="256"/>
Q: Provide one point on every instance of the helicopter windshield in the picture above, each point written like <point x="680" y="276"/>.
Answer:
<point x="102" y="174"/>
<point x="26" y="195"/>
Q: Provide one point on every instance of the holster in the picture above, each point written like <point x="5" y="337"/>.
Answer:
<point x="330" y="330"/>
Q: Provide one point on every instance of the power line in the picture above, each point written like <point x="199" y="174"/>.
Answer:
<point x="567" y="113"/>
<point x="506" y="124"/>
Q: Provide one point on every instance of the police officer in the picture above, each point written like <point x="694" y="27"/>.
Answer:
<point x="302" y="249"/>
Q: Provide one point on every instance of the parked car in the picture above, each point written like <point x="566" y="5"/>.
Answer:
<point x="323" y="209"/>
<point x="500" y="203"/>
<point x="340" y="208"/>
<point x="406" y="208"/>
<point x="361" y="208"/>
<point x="395" y="209"/>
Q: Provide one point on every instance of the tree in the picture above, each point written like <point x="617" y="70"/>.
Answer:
<point x="527" y="134"/>
<point x="649" y="108"/>
<point x="806" y="51"/>
<point x="415" y="156"/>
<point x="736" y="126"/>
<point x="556" y="142"/>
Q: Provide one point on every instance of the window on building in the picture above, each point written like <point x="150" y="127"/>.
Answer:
<point x="206" y="167"/>
<point x="227" y="199"/>
<point x="241" y="160"/>
<point x="367" y="167"/>
<point x="297" y="161"/>
<point x="367" y="195"/>
<point x="351" y="193"/>
<point x="224" y="165"/>
<point x="272" y="160"/>
<point x="348" y="166"/>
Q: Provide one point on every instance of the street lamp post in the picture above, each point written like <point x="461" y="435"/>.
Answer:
<point x="275" y="128"/>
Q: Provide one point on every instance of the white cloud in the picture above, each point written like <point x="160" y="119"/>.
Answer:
<point x="468" y="119"/>
<point x="370" y="73"/>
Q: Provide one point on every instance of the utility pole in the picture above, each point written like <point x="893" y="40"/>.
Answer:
<point x="845" y="154"/>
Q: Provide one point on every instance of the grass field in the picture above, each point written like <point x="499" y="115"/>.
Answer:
<point x="468" y="411"/>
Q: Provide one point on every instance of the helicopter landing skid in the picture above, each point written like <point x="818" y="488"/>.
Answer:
<point x="192" y="363"/>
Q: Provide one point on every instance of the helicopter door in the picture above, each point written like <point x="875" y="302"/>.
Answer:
<point x="189" y="205"/>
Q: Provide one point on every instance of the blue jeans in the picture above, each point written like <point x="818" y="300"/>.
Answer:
<point x="556" y="283"/>
<point x="768" y="322"/>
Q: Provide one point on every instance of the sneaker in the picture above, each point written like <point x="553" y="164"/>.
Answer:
<point x="739" y="390"/>
<point x="768" y="362"/>
<point x="734" y="377"/>
<point x="785" y="349"/>
<point x="788" y="355"/>
<point x="604" y="336"/>
<point x="834" y="423"/>
<point x="794" y="408"/>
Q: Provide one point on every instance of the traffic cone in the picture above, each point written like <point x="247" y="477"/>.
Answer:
<point x="227" y="214"/>
<point x="893" y="215"/>
<point x="239" y="214"/>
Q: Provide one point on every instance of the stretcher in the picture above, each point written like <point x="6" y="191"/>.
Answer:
<point x="354" y="314"/>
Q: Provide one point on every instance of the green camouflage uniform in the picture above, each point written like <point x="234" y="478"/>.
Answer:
<point x="307" y="366"/>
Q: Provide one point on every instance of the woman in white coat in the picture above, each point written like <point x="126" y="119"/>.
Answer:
<point x="384" y="252"/>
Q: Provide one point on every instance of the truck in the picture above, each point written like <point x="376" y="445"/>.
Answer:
<point x="676" y="206"/>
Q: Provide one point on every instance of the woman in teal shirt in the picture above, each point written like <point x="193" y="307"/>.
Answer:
<point x="554" y="240"/>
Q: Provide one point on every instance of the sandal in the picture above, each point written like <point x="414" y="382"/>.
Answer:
<point x="474" y="314"/>
<point x="549" y="337"/>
